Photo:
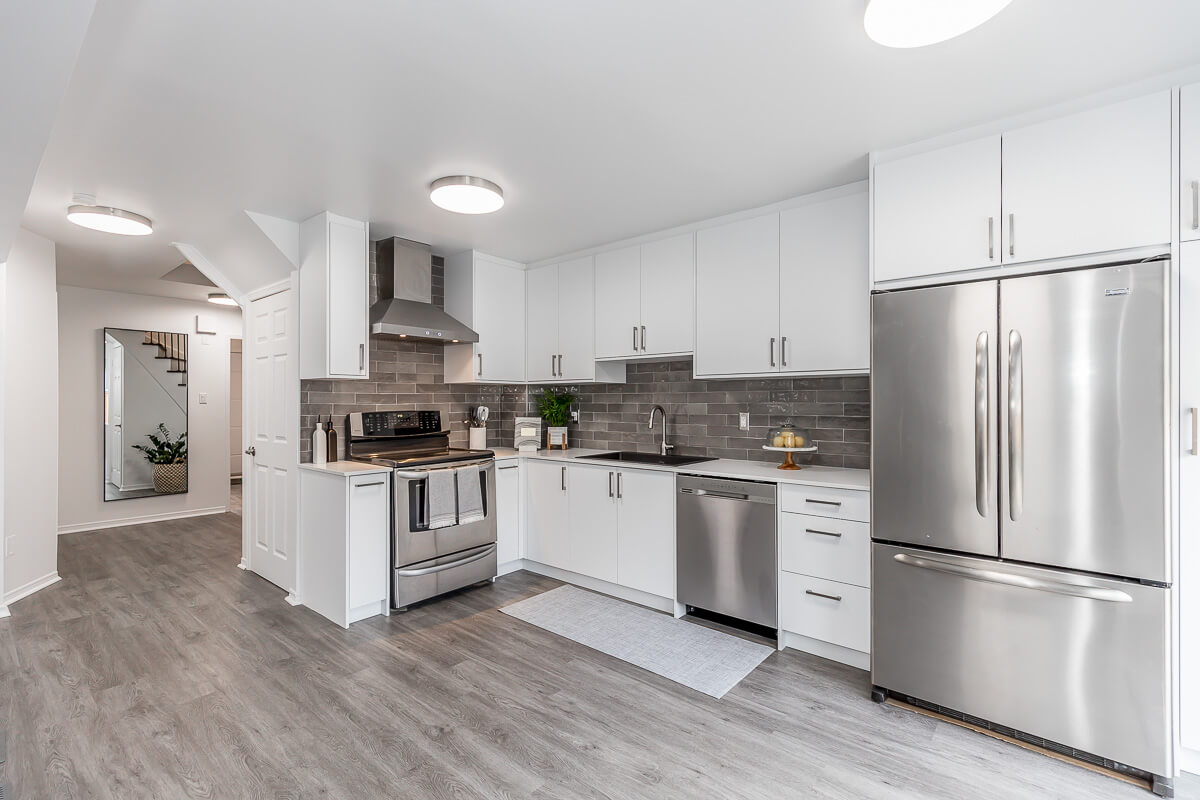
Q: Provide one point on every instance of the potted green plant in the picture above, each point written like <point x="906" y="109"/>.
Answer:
<point x="169" y="458"/>
<point x="556" y="410"/>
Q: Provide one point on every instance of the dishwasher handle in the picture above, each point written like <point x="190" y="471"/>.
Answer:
<point x="725" y="495"/>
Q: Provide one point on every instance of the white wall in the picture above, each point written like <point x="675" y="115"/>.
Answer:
<point x="30" y="447"/>
<point x="83" y="315"/>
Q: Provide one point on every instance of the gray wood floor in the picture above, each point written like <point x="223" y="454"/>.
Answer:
<point x="158" y="669"/>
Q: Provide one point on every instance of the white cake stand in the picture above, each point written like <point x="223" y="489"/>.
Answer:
<point x="788" y="463"/>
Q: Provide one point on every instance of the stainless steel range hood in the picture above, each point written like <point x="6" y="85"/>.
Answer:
<point x="405" y="307"/>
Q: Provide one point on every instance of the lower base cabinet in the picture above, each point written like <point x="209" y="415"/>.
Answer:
<point x="508" y="511"/>
<point x="646" y="531"/>
<point x="546" y="513"/>
<point x="592" y="522"/>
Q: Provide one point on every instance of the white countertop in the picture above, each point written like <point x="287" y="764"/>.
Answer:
<point x="347" y="468"/>
<point x="829" y="477"/>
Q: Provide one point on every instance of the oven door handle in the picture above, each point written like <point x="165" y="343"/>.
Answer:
<point x="415" y="573"/>
<point x="421" y="474"/>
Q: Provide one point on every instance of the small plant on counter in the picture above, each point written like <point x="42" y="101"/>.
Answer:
<point x="556" y="410"/>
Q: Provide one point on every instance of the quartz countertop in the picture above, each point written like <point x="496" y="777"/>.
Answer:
<point x="347" y="468"/>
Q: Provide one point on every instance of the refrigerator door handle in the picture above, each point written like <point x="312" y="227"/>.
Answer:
<point x="1012" y="579"/>
<point x="981" y="424"/>
<point x="1016" y="427"/>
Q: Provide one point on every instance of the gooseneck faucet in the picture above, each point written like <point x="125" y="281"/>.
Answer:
<point x="662" y="450"/>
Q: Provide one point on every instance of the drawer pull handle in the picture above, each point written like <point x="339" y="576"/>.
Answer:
<point x="514" y="466"/>
<point x="836" y="597"/>
<point x="372" y="483"/>
<point x="834" y="534"/>
<point x="834" y="503"/>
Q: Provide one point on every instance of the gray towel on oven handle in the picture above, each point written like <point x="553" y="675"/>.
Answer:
<point x="440" y="507"/>
<point x="470" y="494"/>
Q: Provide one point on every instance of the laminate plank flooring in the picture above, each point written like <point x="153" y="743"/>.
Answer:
<point x="157" y="669"/>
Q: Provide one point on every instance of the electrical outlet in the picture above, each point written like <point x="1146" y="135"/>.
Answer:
<point x="10" y="546"/>
<point x="204" y="398"/>
<point x="574" y="416"/>
<point x="744" y="420"/>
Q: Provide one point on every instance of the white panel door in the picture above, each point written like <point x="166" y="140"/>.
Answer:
<point x="367" y="546"/>
<point x="668" y="295"/>
<point x="273" y="397"/>
<point x="938" y="211"/>
<point x="618" y="303"/>
<point x="824" y="291"/>
<point x="499" y="313"/>
<point x="1189" y="496"/>
<point x="508" y="511"/>
<point x="546" y="535"/>
<point x="737" y="288"/>
<point x="1189" y="162"/>
<point x="1091" y="182"/>
<point x="576" y="320"/>
<point x="348" y="280"/>
<point x="541" y="326"/>
<point x="646" y="531"/>
<point x="593" y="521"/>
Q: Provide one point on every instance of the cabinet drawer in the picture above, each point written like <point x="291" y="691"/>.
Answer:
<point x="836" y="549"/>
<point x="819" y="502"/>
<point x="845" y="621"/>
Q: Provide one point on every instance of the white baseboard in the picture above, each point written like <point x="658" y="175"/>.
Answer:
<point x="653" y="601"/>
<point x="834" y="652"/>
<point x="510" y="566"/>
<point x="292" y="599"/>
<point x="36" y="585"/>
<point x="4" y="614"/>
<point x="80" y="527"/>
<point x="1189" y="760"/>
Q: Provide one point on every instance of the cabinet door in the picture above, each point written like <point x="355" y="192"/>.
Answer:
<point x="546" y="533"/>
<point x="646" y="531"/>
<point x="367" y="555"/>
<point x="499" y="311"/>
<point x="347" y="297"/>
<point x="541" y="328"/>
<point x="618" y="303"/>
<point x="1189" y="498"/>
<point x="737" y="289"/>
<point x="938" y="211"/>
<point x="593" y="521"/>
<point x="1091" y="182"/>
<point x="824" y="296"/>
<point x="1189" y="162"/>
<point x="576" y="320"/>
<point x="508" y="511"/>
<point x="668" y="295"/>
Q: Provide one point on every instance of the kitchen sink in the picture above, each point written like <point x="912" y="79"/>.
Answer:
<point x="647" y="458"/>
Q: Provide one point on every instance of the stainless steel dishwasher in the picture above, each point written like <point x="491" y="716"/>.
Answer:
<point x="725" y="548"/>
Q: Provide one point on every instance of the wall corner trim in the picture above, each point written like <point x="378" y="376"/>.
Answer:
<point x="35" y="585"/>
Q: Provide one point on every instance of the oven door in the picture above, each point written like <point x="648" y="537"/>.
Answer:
<point x="413" y="541"/>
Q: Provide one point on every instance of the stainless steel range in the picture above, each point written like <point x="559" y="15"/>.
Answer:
<point x="443" y="502"/>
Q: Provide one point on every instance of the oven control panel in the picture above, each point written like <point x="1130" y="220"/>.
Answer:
<point x="395" y="423"/>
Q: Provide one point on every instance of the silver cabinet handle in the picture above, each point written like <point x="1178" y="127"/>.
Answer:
<point x="610" y="488"/>
<point x="564" y="479"/>
<point x="372" y="483"/>
<point x="643" y="338"/>
<point x="511" y="466"/>
<point x="981" y="424"/>
<point x="635" y="343"/>
<point x="481" y="365"/>
<point x="362" y="350"/>
<point x="836" y="597"/>
<point x="772" y="351"/>
<point x="834" y="503"/>
<point x="560" y="365"/>
<point x="834" y="534"/>
<point x="1014" y="579"/>
<point x="1196" y="205"/>
<point x="552" y="371"/>
<point x="1195" y="412"/>
<point x="1012" y="234"/>
<point x="250" y="451"/>
<point x="991" y="238"/>
<point x="1016" y="427"/>
<point x="783" y="352"/>
<point x="620" y="489"/>
<point x="413" y="573"/>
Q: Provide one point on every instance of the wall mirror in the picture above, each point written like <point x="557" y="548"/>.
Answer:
<point x="145" y="413"/>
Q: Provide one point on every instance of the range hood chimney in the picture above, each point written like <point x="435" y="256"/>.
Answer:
<point x="405" y="307"/>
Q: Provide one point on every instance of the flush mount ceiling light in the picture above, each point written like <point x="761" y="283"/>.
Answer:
<point x="916" y="23"/>
<point x="466" y="194"/>
<point x="221" y="299"/>
<point x="85" y="212"/>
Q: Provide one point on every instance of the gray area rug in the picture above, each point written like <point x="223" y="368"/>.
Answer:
<point x="705" y="660"/>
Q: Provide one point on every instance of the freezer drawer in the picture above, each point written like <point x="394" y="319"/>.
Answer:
<point x="1078" y="660"/>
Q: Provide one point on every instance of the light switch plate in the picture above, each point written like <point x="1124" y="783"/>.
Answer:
<point x="10" y="546"/>
<point x="744" y="420"/>
<point x="203" y="398"/>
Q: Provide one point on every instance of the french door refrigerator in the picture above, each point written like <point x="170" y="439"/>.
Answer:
<point x="1021" y="563"/>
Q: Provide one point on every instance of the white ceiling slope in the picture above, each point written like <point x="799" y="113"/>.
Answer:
<point x="39" y="42"/>
<point x="601" y="120"/>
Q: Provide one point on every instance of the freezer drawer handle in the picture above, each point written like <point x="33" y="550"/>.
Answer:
<point x="414" y="573"/>
<point x="836" y="597"/>
<point x="981" y="424"/>
<point x="823" y="533"/>
<point x="1011" y="579"/>
<point x="1016" y="427"/>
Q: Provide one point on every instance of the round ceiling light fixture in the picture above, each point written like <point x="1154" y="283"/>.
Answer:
<point x="466" y="194"/>
<point x="221" y="299"/>
<point x="86" y="213"/>
<point x="916" y="23"/>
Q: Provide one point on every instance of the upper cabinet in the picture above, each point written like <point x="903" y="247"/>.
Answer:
<point x="560" y="325"/>
<point x="1189" y="163"/>
<point x="488" y="294"/>
<point x="333" y="298"/>
<point x="644" y="299"/>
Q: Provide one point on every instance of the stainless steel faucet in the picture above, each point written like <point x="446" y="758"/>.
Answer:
<point x="662" y="450"/>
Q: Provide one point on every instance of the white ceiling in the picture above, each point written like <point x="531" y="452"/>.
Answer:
<point x="601" y="120"/>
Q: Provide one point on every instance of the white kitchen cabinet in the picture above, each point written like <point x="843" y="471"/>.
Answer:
<point x="541" y="323"/>
<point x="508" y="512"/>
<point x="546" y="520"/>
<point x="645" y="299"/>
<point x="646" y="531"/>
<point x="1091" y="182"/>
<point x="576" y="320"/>
<point x="488" y="295"/>
<point x="344" y="528"/>
<point x="592" y="526"/>
<point x="333" y="298"/>
<point x="938" y="211"/>
<point x="1188" y="579"/>
<point x="737" y="316"/>
<point x="826" y="611"/>
<point x="824" y="290"/>
<point x="1189" y="162"/>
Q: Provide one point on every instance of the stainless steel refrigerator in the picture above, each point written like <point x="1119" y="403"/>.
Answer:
<point x="1021" y="563"/>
